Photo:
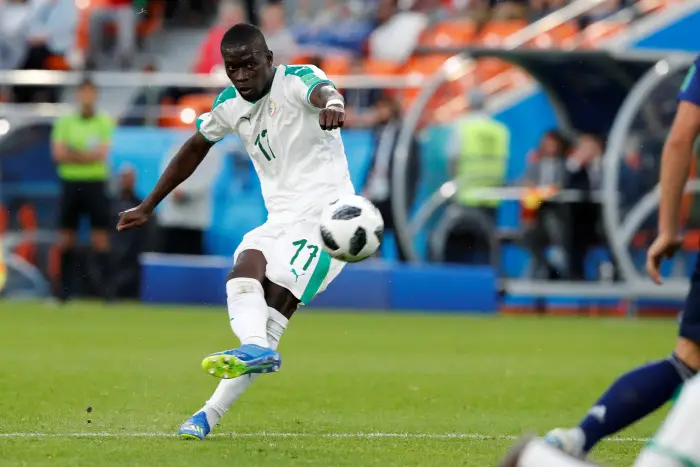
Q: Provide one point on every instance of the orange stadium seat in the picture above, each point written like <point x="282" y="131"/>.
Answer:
<point x="563" y="35"/>
<point x="593" y="35"/>
<point x="380" y="67"/>
<point x="423" y="65"/>
<point x="57" y="63"/>
<point x="449" y="33"/>
<point x="495" y="32"/>
<point x="199" y="103"/>
<point x="336" y="65"/>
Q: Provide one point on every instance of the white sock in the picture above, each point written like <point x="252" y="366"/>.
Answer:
<point x="247" y="310"/>
<point x="229" y="390"/>
<point x="537" y="453"/>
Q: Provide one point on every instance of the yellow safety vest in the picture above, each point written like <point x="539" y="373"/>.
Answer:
<point x="483" y="158"/>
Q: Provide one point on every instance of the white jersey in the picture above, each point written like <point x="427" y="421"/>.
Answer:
<point x="302" y="168"/>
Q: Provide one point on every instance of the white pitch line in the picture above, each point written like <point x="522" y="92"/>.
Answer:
<point x="264" y="434"/>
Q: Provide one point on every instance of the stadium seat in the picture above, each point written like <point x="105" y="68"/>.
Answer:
<point x="494" y="33"/>
<point x="425" y="66"/>
<point x="199" y="103"/>
<point x="564" y="35"/>
<point x="449" y="33"/>
<point x="593" y="35"/>
<point x="336" y="65"/>
<point x="381" y="67"/>
<point x="57" y="63"/>
<point x="691" y="240"/>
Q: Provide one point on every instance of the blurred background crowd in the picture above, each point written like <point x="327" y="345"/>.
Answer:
<point x="385" y="51"/>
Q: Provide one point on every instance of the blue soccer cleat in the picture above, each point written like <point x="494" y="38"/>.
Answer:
<point x="247" y="359"/>
<point x="196" y="427"/>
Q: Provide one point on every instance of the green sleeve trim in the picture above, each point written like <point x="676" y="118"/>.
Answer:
<point x="315" y="85"/>
<point x="688" y="78"/>
<point x="226" y="94"/>
<point x="199" y="124"/>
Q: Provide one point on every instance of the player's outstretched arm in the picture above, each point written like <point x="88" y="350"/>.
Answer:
<point x="180" y="168"/>
<point x="675" y="169"/>
<point x="332" y="105"/>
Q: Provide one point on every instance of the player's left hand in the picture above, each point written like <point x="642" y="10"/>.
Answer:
<point x="664" y="247"/>
<point x="332" y="117"/>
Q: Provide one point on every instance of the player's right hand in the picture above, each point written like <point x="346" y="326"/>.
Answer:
<point x="664" y="247"/>
<point x="132" y="218"/>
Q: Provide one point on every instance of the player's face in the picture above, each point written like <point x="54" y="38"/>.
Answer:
<point x="87" y="95"/>
<point x="249" y="68"/>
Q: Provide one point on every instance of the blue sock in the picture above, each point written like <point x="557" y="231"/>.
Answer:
<point x="632" y="397"/>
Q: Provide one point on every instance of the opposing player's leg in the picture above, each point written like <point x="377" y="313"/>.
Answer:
<point x="229" y="390"/>
<point x="248" y="316"/>
<point x="641" y="391"/>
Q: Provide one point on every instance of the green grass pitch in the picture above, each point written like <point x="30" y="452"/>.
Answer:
<point x="354" y="389"/>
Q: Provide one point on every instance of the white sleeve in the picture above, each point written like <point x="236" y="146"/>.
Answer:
<point x="303" y="79"/>
<point x="213" y="125"/>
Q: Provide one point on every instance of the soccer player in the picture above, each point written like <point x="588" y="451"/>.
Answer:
<point x="643" y="390"/>
<point x="288" y="118"/>
<point x="675" y="445"/>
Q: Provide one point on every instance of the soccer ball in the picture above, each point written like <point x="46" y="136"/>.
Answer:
<point x="351" y="229"/>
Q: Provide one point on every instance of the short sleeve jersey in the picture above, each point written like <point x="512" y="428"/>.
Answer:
<point x="83" y="134"/>
<point x="690" y="89"/>
<point x="301" y="167"/>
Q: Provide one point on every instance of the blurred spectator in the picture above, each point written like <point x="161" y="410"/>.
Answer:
<point x="384" y="118"/>
<point x="80" y="143"/>
<point x="435" y="10"/>
<point x="209" y="57"/>
<point x="397" y="32"/>
<point x="186" y="213"/>
<point x="51" y="32"/>
<point x="360" y="101"/>
<point x="546" y="167"/>
<point x="15" y="16"/>
<point x="279" y="39"/>
<point x="503" y="10"/>
<point x="604" y="10"/>
<point x="122" y="13"/>
<point x="479" y="159"/>
<point x="584" y="165"/>
<point x="127" y="246"/>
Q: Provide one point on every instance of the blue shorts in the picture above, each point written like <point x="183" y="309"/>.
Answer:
<point x="690" y="318"/>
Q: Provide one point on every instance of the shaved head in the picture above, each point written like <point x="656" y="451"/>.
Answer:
<point x="247" y="60"/>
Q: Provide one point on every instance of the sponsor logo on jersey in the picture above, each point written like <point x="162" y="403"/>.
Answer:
<point x="272" y="108"/>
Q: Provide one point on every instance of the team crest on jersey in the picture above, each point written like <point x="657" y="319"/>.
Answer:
<point x="272" y="108"/>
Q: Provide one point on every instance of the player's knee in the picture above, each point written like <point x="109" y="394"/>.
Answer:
<point x="688" y="352"/>
<point x="240" y="287"/>
<point x="250" y="264"/>
<point x="99" y="240"/>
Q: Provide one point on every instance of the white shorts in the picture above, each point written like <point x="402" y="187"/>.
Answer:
<point x="295" y="258"/>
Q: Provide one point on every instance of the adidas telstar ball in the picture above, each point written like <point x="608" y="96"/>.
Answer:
<point x="351" y="229"/>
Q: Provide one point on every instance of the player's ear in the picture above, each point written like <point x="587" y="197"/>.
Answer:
<point x="269" y="57"/>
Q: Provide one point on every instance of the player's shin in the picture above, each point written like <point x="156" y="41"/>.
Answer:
<point x="228" y="391"/>
<point x="247" y="310"/>
<point x="632" y="397"/>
